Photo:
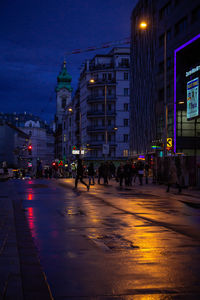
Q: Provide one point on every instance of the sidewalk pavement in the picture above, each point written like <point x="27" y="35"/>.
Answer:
<point x="21" y="275"/>
<point x="190" y="194"/>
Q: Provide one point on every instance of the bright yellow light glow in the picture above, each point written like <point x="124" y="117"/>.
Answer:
<point x="92" y="80"/>
<point x="181" y="102"/>
<point x="70" y="109"/>
<point x="143" y="25"/>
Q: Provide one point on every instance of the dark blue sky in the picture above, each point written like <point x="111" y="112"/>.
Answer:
<point x="35" y="35"/>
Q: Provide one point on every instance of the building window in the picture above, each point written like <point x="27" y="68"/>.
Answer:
<point x="125" y="153"/>
<point x="64" y="125"/>
<point x="104" y="76"/>
<point x="109" y="137"/>
<point x="126" y="91"/>
<point x="181" y="25"/>
<point x="126" y="76"/>
<point x="109" y="76"/>
<point x="109" y="106"/>
<point x="64" y="138"/>
<point x="165" y="10"/>
<point x="195" y="14"/>
<point x="124" y="62"/>
<point x="63" y="103"/>
<point x="125" y="138"/>
<point x="70" y="135"/>
<point x="125" y="122"/>
<point x="125" y="106"/>
<point x="70" y="122"/>
<point x="64" y="150"/>
<point x="109" y="122"/>
<point x="102" y="137"/>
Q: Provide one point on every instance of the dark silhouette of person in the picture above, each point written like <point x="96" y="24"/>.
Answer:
<point x="120" y="174"/>
<point x="91" y="173"/>
<point x="79" y="174"/>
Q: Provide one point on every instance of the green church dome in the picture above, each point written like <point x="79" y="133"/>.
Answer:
<point x="64" y="79"/>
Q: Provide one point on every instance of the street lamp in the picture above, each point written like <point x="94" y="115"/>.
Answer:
<point x="143" y="25"/>
<point x="70" y="110"/>
<point x="105" y="117"/>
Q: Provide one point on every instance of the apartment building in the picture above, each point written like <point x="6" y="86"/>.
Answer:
<point x="104" y="105"/>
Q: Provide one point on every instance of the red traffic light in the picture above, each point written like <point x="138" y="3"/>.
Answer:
<point x="29" y="147"/>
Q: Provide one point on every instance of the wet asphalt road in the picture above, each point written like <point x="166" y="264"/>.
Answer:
<point x="113" y="244"/>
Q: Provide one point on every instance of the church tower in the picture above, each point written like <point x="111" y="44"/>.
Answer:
<point x="63" y="99"/>
<point x="63" y="92"/>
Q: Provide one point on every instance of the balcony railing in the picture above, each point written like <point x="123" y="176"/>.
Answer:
<point x="124" y="65"/>
<point x="99" y="143"/>
<point x="97" y="98"/>
<point x="100" y="128"/>
<point x="101" y="66"/>
<point x="102" y="82"/>
<point x="101" y="113"/>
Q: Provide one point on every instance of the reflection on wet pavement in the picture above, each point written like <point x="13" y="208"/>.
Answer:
<point x="100" y="245"/>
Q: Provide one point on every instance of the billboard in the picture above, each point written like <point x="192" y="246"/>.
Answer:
<point x="193" y="98"/>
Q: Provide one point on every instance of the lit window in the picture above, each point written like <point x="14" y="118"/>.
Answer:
<point x="125" y="153"/>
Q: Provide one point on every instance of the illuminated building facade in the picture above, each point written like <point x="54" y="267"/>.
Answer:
<point x="179" y="23"/>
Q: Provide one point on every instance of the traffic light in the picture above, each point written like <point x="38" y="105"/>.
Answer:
<point x="30" y="150"/>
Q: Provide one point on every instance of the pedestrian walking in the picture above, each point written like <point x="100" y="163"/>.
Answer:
<point x="172" y="177"/>
<point x="128" y="173"/>
<point x="100" y="173"/>
<point x="79" y="174"/>
<point x="105" y="172"/>
<point x="120" y="174"/>
<point x="146" y="170"/>
<point x="91" y="173"/>
<point x="140" y="172"/>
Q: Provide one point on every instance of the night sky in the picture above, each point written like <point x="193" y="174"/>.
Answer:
<point x="34" y="37"/>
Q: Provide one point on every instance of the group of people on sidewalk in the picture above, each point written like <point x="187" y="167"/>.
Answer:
<point x="125" y="174"/>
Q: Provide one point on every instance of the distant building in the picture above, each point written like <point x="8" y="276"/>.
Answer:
<point x="13" y="146"/>
<point x="103" y="108"/>
<point x="179" y="22"/>
<point x="39" y="134"/>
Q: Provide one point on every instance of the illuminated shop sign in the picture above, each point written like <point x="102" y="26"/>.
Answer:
<point x="194" y="70"/>
<point x="75" y="151"/>
<point x="193" y="98"/>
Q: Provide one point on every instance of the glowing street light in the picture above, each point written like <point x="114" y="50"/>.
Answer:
<point x="143" y="25"/>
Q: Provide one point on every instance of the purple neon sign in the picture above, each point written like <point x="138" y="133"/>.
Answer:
<point x="175" y="52"/>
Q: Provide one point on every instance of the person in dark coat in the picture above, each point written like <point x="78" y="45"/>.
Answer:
<point x="100" y="173"/>
<point x="105" y="172"/>
<point x="128" y="173"/>
<point x="140" y="172"/>
<point x="120" y="174"/>
<point x="91" y="173"/>
<point x="79" y="174"/>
